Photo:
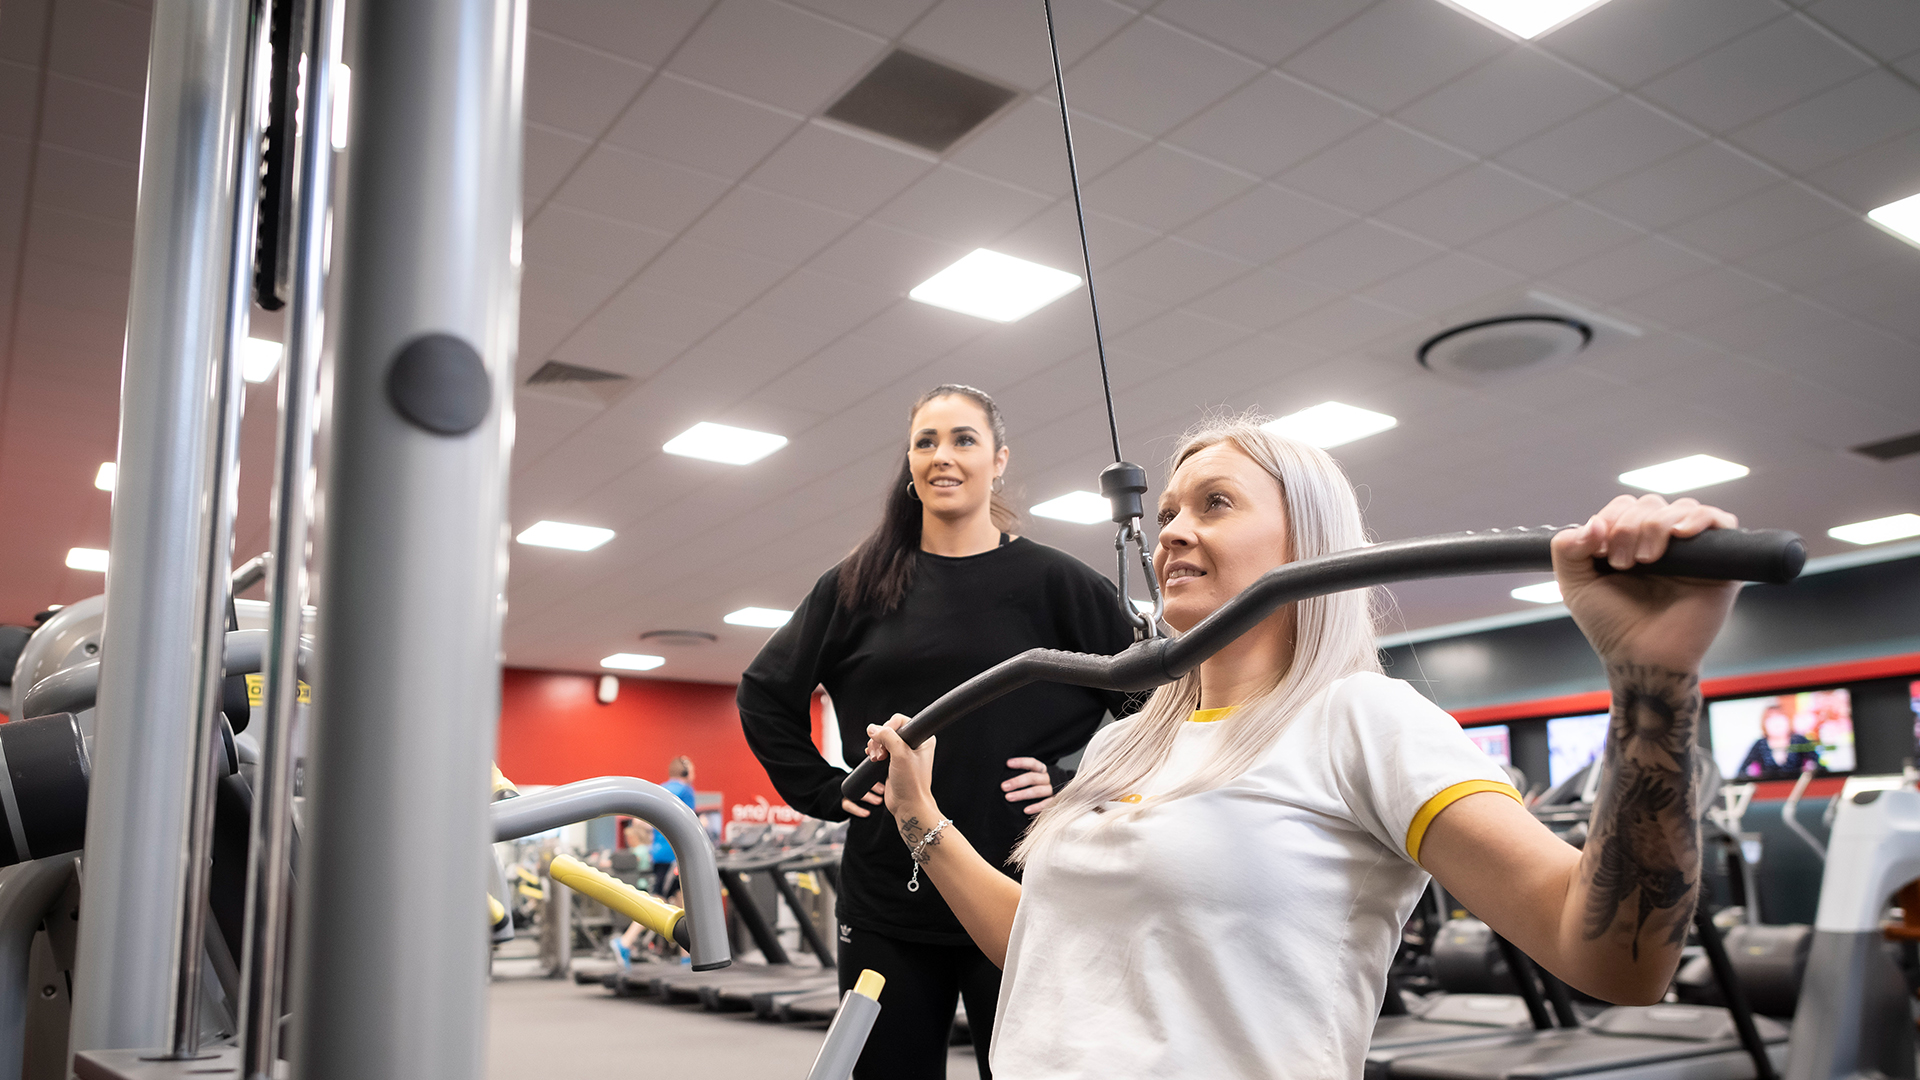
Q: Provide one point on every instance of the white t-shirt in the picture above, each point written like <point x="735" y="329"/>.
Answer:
<point x="1245" y="931"/>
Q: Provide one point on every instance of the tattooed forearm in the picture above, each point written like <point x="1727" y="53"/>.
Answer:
<point x="911" y="832"/>
<point x="1642" y="859"/>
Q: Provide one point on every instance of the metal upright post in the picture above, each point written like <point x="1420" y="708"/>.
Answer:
<point x="270" y="843"/>
<point x="390" y="981"/>
<point x="166" y="506"/>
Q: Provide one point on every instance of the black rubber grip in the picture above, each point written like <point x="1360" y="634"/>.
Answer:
<point x="1771" y="556"/>
<point x="682" y="936"/>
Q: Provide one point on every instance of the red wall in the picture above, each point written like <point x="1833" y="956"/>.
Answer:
<point x="554" y="731"/>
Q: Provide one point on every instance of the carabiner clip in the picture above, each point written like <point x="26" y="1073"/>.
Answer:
<point x="1124" y="484"/>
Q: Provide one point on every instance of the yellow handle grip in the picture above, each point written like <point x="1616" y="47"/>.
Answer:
<point x="663" y="919"/>
<point x="869" y="984"/>
<point x="496" y="914"/>
<point x="502" y="787"/>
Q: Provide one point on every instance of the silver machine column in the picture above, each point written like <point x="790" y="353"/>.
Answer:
<point x="391" y="954"/>
<point x="166" y="514"/>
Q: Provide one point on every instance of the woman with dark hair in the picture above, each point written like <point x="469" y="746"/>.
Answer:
<point x="938" y="593"/>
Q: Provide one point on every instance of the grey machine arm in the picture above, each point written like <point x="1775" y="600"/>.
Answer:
<point x="699" y="875"/>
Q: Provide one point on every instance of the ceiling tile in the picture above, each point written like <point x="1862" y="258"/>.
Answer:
<point x="774" y="226"/>
<point x="1396" y="51"/>
<point x="92" y="118"/>
<point x="1832" y="125"/>
<point x="85" y="185"/>
<point x="775" y="343"/>
<point x="641" y="328"/>
<point x="1151" y="76"/>
<point x="1554" y="238"/>
<point x="612" y="25"/>
<point x="1629" y="269"/>
<point x="1382" y="164"/>
<point x="23" y="28"/>
<point x="1888" y="31"/>
<point x="961" y="207"/>
<point x="776" y="54"/>
<point x="564" y="295"/>
<point x="1266" y="223"/>
<point x="712" y="273"/>
<point x="1698" y="298"/>
<point x="577" y="89"/>
<point x="1025" y="147"/>
<point x="571" y="239"/>
<point x="1357" y="256"/>
<point x="1179" y="337"/>
<point x="677" y="120"/>
<point x="1274" y="122"/>
<point x="1839" y="250"/>
<point x="884" y="17"/>
<point x="847" y="370"/>
<point x="549" y="156"/>
<point x="101" y="41"/>
<point x="832" y="168"/>
<point x="1442" y="285"/>
<point x="886" y="258"/>
<point x="1594" y="147"/>
<point x="917" y="329"/>
<point x="1258" y="28"/>
<point x="1631" y="41"/>
<point x="76" y="288"/>
<point x="1006" y="40"/>
<point x="1163" y="188"/>
<point x="822" y="299"/>
<point x="1469" y="205"/>
<point x="1520" y="93"/>
<point x="19" y="99"/>
<point x="1774" y="319"/>
<point x="645" y="191"/>
<point x="1263" y="300"/>
<point x="1760" y="221"/>
<point x="1766" y="69"/>
<point x="1874" y="177"/>
<point x="1343" y="325"/>
<point x="99" y="243"/>
<point x="1171" y="271"/>
<point x="1871" y="288"/>
<point x="1694" y="181"/>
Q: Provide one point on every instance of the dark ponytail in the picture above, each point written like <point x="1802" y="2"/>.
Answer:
<point x="878" y="574"/>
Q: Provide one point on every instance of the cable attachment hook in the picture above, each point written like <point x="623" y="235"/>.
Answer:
<point x="1125" y="486"/>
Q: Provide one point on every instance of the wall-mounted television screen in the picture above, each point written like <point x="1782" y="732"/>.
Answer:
<point x="1494" y="740"/>
<point x="1572" y="742"/>
<point x="1778" y="737"/>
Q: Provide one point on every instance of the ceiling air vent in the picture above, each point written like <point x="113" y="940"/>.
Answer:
<point x="553" y="371"/>
<point x="1891" y="449"/>
<point x="571" y="382"/>
<point x="919" y="101"/>
<point x="1488" y="348"/>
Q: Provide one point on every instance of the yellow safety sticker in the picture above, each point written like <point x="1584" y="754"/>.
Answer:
<point x="257" y="691"/>
<point x="805" y="881"/>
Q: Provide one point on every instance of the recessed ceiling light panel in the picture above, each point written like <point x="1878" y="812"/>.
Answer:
<point x="1547" y="592"/>
<point x="108" y="475"/>
<point x="993" y="286"/>
<point x="259" y="359"/>
<point x="627" y="661"/>
<point x="724" y="444"/>
<point x="1525" y="18"/>
<point x="559" y="534"/>
<point x="1684" y="474"/>
<point x="1879" y="530"/>
<point x="87" y="559"/>
<point x="763" y="617"/>
<point x="1901" y="218"/>
<point x="1331" y="424"/>
<point x="1079" y="507"/>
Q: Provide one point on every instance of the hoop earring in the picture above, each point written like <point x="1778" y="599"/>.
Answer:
<point x="999" y="485"/>
<point x="911" y="493"/>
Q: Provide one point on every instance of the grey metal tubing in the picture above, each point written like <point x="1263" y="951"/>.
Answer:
<point x="271" y="835"/>
<point x="846" y="1038"/>
<point x="164" y="514"/>
<point x="1766" y="555"/>
<point x="52" y="645"/>
<point x="655" y="805"/>
<point x="249" y="573"/>
<point x="75" y="688"/>
<point x="414" y="547"/>
<point x="1790" y="814"/>
<point x="27" y="890"/>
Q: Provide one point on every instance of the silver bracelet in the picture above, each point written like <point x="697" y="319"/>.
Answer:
<point x="919" y="852"/>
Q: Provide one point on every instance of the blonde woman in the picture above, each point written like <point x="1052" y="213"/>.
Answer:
<point x="1306" y="798"/>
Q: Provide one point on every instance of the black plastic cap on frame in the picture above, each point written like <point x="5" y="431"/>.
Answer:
<point x="439" y="384"/>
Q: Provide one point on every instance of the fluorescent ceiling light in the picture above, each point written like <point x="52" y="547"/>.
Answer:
<point x="1900" y="218"/>
<point x="1525" y="18"/>
<point x="1079" y="507"/>
<point x="259" y="359"/>
<point x="1684" y="474"/>
<point x="993" y="286"/>
<point x="1143" y="607"/>
<point x="342" y="98"/>
<point x="87" y="559"/>
<point x="1331" y="424"/>
<point x="108" y="474"/>
<point x="1879" y="530"/>
<point x="632" y="661"/>
<point x="764" y="617"/>
<point x="1547" y="592"/>
<point x="727" y="445"/>
<point x="559" y="534"/>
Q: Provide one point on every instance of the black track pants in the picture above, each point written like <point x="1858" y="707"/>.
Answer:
<point x="909" y="1040"/>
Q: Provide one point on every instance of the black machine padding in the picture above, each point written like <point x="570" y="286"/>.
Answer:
<point x="47" y="770"/>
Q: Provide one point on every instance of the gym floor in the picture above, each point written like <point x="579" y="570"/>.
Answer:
<point x="534" y="1023"/>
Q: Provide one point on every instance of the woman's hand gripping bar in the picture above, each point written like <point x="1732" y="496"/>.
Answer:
<point x="661" y="918"/>
<point x="1770" y="556"/>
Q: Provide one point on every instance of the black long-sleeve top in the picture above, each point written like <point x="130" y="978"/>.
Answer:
<point x="960" y="617"/>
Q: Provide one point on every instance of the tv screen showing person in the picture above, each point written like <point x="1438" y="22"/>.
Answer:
<point x="1494" y="740"/>
<point x="1779" y="737"/>
<point x="1573" y="743"/>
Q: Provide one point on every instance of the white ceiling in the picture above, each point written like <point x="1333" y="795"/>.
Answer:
<point x="1285" y="199"/>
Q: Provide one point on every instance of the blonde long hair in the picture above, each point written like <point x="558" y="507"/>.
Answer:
<point x="1333" y="638"/>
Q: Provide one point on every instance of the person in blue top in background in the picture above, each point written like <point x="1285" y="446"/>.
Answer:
<point x="680" y="783"/>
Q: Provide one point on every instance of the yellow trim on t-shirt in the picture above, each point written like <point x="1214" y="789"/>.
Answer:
<point x="1417" y="831"/>
<point x="1208" y="716"/>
